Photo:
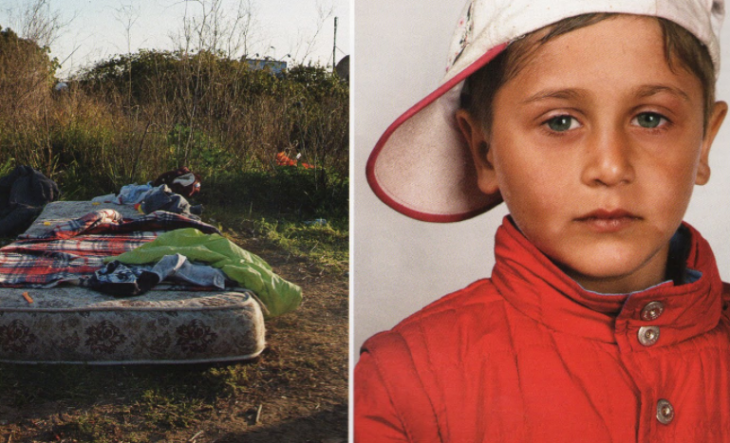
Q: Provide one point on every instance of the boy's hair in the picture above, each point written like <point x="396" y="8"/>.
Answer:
<point x="680" y="45"/>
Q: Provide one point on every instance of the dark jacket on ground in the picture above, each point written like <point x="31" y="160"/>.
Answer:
<point x="23" y="193"/>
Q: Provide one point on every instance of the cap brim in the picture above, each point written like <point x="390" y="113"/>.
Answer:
<point x="422" y="166"/>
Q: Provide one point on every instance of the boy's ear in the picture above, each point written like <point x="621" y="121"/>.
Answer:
<point x="719" y="111"/>
<point x="478" y="143"/>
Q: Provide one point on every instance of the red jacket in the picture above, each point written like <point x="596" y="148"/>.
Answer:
<point x="530" y="356"/>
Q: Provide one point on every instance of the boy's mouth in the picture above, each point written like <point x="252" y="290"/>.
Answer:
<point x="603" y="220"/>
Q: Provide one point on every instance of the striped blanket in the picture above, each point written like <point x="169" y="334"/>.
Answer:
<point x="72" y="250"/>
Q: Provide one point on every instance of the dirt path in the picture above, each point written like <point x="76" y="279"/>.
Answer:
<point x="297" y="387"/>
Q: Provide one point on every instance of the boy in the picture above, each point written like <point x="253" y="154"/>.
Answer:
<point x="604" y="317"/>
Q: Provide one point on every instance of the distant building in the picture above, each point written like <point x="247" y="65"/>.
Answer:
<point x="343" y="68"/>
<point x="273" y="66"/>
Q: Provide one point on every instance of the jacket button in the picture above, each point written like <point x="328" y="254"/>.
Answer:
<point x="648" y="335"/>
<point x="652" y="311"/>
<point x="664" y="412"/>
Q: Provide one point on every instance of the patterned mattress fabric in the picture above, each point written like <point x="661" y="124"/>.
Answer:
<point x="42" y="321"/>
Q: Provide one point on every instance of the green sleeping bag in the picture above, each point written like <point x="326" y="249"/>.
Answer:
<point x="249" y="270"/>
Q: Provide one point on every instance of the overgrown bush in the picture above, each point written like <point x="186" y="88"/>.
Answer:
<point x="26" y="77"/>
<point x="132" y="117"/>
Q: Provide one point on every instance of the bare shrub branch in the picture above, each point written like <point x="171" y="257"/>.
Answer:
<point x="324" y="12"/>
<point x="40" y="24"/>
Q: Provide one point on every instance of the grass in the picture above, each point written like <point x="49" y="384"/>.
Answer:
<point x="325" y="246"/>
<point x="169" y="409"/>
<point x="92" y="428"/>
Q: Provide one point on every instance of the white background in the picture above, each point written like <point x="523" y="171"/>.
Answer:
<point x="399" y="264"/>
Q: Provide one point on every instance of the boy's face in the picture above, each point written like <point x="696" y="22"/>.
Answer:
<point x="595" y="146"/>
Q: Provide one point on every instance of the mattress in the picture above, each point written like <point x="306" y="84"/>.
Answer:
<point x="61" y="322"/>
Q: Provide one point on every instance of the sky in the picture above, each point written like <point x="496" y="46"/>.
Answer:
<point x="95" y="30"/>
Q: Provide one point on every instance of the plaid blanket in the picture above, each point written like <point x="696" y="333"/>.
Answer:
<point x="109" y="221"/>
<point x="73" y="250"/>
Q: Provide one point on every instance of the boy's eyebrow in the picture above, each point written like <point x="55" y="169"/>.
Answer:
<point x="649" y="90"/>
<point x="565" y="94"/>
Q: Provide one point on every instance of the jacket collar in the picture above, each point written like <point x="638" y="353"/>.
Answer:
<point x="535" y="286"/>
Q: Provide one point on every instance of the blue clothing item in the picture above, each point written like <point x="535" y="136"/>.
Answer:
<point x="178" y="267"/>
<point x="134" y="193"/>
<point x="162" y="198"/>
<point x="123" y="280"/>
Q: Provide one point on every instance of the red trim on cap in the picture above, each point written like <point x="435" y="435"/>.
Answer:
<point x="370" y="167"/>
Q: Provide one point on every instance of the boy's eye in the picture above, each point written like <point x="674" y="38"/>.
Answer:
<point x="649" y="120"/>
<point x="562" y="123"/>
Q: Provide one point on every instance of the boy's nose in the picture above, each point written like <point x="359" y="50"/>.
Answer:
<point x="608" y="160"/>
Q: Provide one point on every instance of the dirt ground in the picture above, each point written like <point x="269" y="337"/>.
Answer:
<point x="297" y="388"/>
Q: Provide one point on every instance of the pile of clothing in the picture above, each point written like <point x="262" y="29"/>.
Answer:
<point x="169" y="192"/>
<point x="130" y="255"/>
